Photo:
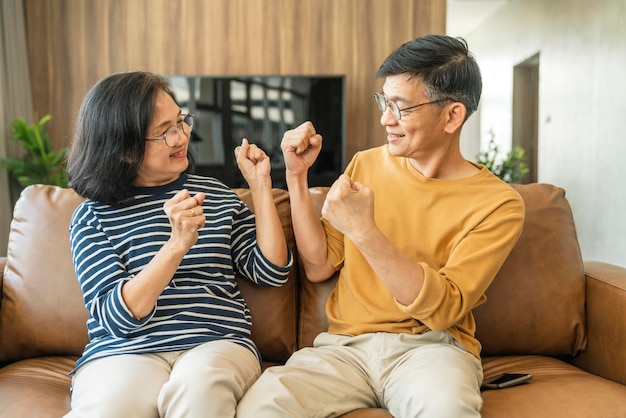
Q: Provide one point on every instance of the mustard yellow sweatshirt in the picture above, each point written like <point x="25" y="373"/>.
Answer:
<point x="459" y="231"/>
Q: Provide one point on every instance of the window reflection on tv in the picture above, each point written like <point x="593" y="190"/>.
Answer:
<point x="262" y="108"/>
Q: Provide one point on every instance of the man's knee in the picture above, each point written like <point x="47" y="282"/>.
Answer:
<point x="259" y="399"/>
<point x="452" y="404"/>
<point x="431" y="399"/>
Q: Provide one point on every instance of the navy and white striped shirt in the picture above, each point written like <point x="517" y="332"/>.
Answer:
<point x="202" y="302"/>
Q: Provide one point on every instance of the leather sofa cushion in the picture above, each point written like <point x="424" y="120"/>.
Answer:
<point x="42" y="311"/>
<point x="37" y="387"/>
<point x="313" y="295"/>
<point x="557" y="390"/>
<point x="541" y="284"/>
<point x="273" y="309"/>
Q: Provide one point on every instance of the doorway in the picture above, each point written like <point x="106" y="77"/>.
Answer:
<point x="526" y="113"/>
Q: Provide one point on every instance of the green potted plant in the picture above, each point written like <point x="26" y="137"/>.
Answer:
<point x="40" y="164"/>
<point x="511" y="169"/>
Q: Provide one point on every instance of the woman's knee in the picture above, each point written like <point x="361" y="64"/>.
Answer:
<point x="210" y="381"/>
<point x="112" y="386"/>
<point x="112" y="401"/>
<point x="225" y="365"/>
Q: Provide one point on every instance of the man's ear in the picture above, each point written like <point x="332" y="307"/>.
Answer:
<point x="455" y="117"/>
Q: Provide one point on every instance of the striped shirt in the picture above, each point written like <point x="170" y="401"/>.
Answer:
<point x="111" y="244"/>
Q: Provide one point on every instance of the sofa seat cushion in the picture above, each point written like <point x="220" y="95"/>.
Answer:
<point x="557" y="389"/>
<point x="36" y="387"/>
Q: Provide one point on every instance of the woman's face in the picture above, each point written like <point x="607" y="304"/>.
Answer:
<point x="162" y="164"/>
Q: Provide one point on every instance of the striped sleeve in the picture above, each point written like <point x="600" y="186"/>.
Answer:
<point x="249" y="258"/>
<point x="101" y="275"/>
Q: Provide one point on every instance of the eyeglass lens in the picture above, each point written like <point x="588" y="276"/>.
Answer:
<point x="172" y="133"/>
<point x="383" y="103"/>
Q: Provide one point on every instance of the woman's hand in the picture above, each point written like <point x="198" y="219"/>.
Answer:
<point x="254" y="164"/>
<point x="255" y="167"/>
<point x="186" y="218"/>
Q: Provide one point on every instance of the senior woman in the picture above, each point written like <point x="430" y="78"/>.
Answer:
<point x="156" y="250"/>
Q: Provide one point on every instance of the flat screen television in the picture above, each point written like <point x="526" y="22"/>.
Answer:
<point x="261" y="109"/>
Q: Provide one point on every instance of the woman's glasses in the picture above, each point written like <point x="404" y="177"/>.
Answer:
<point x="172" y="134"/>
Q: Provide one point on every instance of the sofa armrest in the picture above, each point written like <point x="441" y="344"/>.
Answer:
<point x="606" y="321"/>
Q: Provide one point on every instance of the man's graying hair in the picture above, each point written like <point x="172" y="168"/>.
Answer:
<point x="445" y="66"/>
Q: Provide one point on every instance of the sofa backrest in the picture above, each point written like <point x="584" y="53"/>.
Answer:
<point x="42" y="310"/>
<point x="536" y="303"/>
<point x="274" y="310"/>
<point x="312" y="316"/>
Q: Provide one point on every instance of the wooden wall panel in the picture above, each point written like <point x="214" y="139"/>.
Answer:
<point x="74" y="43"/>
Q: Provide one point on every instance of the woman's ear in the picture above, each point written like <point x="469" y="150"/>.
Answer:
<point x="455" y="117"/>
<point x="130" y="158"/>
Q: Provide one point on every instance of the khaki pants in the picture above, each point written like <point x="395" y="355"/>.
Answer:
<point x="206" y="381"/>
<point x="428" y="375"/>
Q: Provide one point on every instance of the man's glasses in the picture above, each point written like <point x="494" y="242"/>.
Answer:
<point x="384" y="104"/>
<point x="172" y="134"/>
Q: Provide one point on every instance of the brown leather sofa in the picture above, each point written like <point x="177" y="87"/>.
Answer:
<point x="547" y="314"/>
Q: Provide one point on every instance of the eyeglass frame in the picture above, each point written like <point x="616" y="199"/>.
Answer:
<point x="395" y="109"/>
<point x="187" y="119"/>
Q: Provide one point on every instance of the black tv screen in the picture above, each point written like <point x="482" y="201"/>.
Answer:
<point x="262" y="108"/>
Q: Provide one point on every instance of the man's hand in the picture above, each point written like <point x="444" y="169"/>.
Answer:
<point x="300" y="147"/>
<point x="349" y="207"/>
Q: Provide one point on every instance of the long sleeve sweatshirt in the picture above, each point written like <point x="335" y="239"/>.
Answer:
<point x="459" y="231"/>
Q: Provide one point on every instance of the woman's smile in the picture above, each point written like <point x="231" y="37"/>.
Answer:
<point x="180" y="154"/>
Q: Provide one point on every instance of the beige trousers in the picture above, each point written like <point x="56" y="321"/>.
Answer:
<point x="428" y="375"/>
<point x="206" y="381"/>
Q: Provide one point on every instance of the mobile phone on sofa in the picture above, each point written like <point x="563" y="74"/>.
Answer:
<point x="506" y="380"/>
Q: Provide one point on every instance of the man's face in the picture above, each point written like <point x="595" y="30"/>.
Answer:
<point x="419" y="133"/>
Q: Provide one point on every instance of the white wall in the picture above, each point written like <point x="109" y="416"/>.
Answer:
<point x="582" y="105"/>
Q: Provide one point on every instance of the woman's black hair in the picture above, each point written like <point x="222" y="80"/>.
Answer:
<point x="445" y="66"/>
<point x="109" y="142"/>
